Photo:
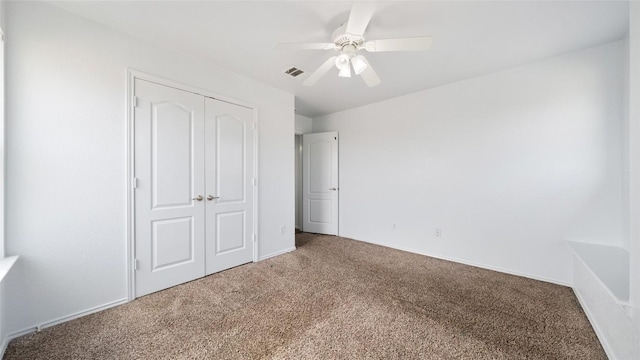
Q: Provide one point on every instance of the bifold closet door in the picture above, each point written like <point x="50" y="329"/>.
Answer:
<point x="169" y="195"/>
<point x="229" y="185"/>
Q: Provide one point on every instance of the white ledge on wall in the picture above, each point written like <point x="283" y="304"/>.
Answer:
<point x="610" y="264"/>
<point x="6" y="264"/>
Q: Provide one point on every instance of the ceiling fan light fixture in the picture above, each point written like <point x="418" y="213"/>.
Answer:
<point x="345" y="71"/>
<point x="342" y="61"/>
<point x="359" y="65"/>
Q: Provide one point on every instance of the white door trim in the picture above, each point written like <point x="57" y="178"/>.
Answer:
<point x="132" y="75"/>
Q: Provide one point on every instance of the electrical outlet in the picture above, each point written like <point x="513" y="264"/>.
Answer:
<point x="438" y="232"/>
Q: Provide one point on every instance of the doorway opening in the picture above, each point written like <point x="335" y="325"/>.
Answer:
<point x="298" y="181"/>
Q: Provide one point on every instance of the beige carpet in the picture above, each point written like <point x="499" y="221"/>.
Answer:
<point x="333" y="298"/>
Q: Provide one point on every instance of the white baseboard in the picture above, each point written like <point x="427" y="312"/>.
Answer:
<point x="282" y="252"/>
<point x="3" y="346"/>
<point x="57" y="321"/>
<point x="599" y="333"/>
<point x="471" y="263"/>
<point x="6" y="265"/>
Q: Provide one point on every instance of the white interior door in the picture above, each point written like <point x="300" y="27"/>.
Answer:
<point x="169" y="171"/>
<point x="320" y="183"/>
<point x="229" y="185"/>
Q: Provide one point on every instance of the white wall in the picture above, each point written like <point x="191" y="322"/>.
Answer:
<point x="634" y="158"/>
<point x="66" y="161"/>
<point x="625" y="145"/>
<point x="508" y="165"/>
<point x="3" y="327"/>
<point x="618" y="326"/>
<point x="2" y="12"/>
<point x="2" y="136"/>
<point x="303" y="124"/>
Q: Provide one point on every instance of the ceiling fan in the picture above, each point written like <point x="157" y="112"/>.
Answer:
<point x="348" y="40"/>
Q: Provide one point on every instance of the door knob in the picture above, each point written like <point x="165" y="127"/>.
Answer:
<point x="333" y="189"/>
<point x="211" y="197"/>
<point x="198" y="198"/>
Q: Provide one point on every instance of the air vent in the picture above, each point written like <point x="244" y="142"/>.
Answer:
<point x="294" y="71"/>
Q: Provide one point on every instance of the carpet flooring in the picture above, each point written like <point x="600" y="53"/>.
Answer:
<point x="333" y="298"/>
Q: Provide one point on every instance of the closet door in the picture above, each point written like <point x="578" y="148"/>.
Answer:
<point x="169" y="196"/>
<point x="229" y="185"/>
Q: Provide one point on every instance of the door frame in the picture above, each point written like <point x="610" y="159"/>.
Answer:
<point x="132" y="75"/>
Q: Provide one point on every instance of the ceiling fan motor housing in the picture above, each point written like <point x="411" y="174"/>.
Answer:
<point x="345" y="41"/>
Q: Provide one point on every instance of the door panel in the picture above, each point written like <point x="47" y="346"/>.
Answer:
<point x="172" y="242"/>
<point x="169" y="167"/>
<point x="229" y="181"/>
<point x="230" y="235"/>
<point x="320" y="183"/>
<point x="171" y="154"/>
<point x="319" y="153"/>
<point x="320" y="211"/>
<point x="230" y="158"/>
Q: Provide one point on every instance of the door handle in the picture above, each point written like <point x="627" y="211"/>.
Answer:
<point x="211" y="197"/>
<point x="333" y="189"/>
<point x="198" y="198"/>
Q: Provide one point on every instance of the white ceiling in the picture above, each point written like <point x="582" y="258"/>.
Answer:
<point x="470" y="38"/>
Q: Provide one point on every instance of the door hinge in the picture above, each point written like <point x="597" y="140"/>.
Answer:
<point x="255" y="238"/>
<point x="253" y="126"/>
<point x="135" y="264"/>
<point x="254" y="182"/>
<point x="135" y="101"/>
<point x="134" y="183"/>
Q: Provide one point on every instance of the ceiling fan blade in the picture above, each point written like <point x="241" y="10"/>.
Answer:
<point x="326" y="66"/>
<point x="361" y="13"/>
<point x="305" y="46"/>
<point x="402" y="44"/>
<point x="369" y="75"/>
